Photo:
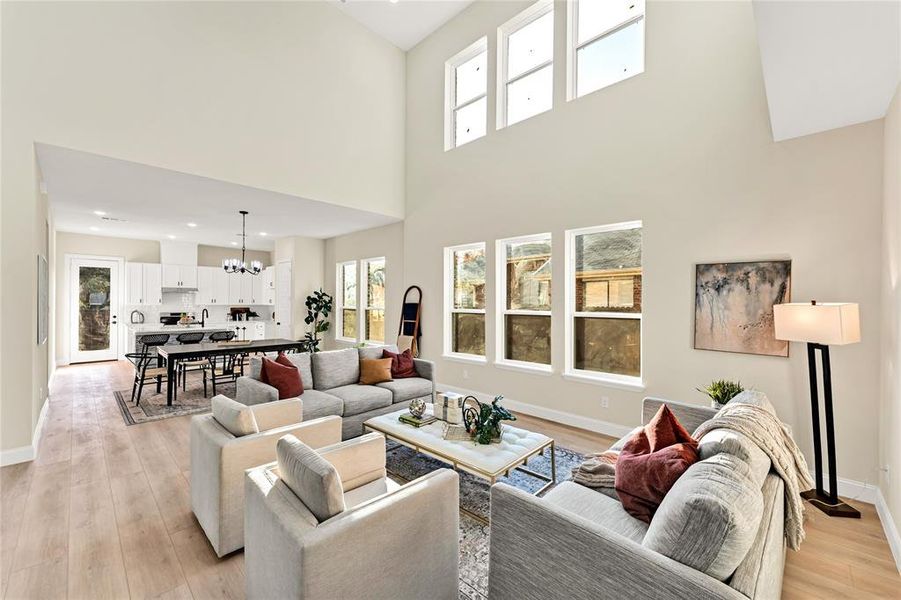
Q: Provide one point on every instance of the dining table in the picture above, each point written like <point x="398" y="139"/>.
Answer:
<point x="206" y="350"/>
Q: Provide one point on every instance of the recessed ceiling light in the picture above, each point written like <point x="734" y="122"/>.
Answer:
<point x="170" y="236"/>
<point x="99" y="213"/>
<point x="192" y="224"/>
<point x="95" y="229"/>
<point x="393" y="1"/>
<point x="263" y="233"/>
<point x="234" y="243"/>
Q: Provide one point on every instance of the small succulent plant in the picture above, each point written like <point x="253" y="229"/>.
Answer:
<point x="723" y="390"/>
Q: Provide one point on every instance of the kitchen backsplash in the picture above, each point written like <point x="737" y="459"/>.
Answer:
<point x="184" y="302"/>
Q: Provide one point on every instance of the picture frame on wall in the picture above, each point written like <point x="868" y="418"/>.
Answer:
<point x="43" y="324"/>
<point x="734" y="306"/>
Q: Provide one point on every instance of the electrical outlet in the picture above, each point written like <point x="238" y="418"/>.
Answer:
<point x="605" y="402"/>
<point x="465" y="373"/>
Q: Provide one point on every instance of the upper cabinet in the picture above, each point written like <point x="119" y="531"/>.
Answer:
<point x="143" y="283"/>
<point x="268" y="286"/>
<point x="240" y="288"/>
<point x="179" y="276"/>
<point x="212" y="286"/>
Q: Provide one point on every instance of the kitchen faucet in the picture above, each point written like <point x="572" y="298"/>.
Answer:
<point x="203" y="316"/>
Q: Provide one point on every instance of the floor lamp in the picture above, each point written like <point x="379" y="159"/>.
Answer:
<point x="821" y="325"/>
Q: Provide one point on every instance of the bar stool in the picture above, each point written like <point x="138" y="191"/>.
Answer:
<point x="191" y="337"/>
<point x="232" y="366"/>
<point x="142" y="361"/>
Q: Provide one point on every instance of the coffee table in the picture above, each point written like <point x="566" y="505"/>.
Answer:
<point x="489" y="462"/>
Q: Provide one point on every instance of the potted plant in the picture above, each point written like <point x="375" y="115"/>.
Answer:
<point x="721" y="391"/>
<point x="319" y="307"/>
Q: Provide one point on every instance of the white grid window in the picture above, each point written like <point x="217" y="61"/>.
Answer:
<point x="606" y="44"/>
<point x="466" y="99"/>
<point x="604" y="304"/>
<point x="465" y="275"/>
<point x="525" y="85"/>
<point x="524" y="302"/>
<point x="346" y="315"/>
<point x="372" y="299"/>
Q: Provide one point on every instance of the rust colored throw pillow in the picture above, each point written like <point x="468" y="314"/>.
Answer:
<point x="283" y="376"/>
<point x="651" y="462"/>
<point x="375" y="370"/>
<point x="401" y="364"/>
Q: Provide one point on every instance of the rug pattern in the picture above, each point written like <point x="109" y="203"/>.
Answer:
<point x="153" y="406"/>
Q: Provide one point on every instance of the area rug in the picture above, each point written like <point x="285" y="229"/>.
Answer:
<point x="405" y="464"/>
<point x="153" y="406"/>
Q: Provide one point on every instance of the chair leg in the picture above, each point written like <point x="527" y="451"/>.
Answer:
<point x="204" y="383"/>
<point x="140" y="389"/>
<point x="134" y="387"/>
<point x="159" y="384"/>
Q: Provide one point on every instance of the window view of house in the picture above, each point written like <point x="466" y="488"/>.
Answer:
<point x="607" y="38"/>
<point x="526" y="46"/>
<point x="467" y="308"/>
<point x="466" y="94"/>
<point x="347" y="311"/>
<point x="527" y="299"/>
<point x="607" y="292"/>
<point x="374" y="317"/>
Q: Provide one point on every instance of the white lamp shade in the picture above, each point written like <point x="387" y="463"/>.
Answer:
<point x="828" y="323"/>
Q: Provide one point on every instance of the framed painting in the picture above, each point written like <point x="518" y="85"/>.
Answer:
<point x="734" y="306"/>
<point x="43" y="300"/>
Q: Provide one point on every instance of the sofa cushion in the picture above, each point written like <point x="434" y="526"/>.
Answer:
<point x="235" y="417"/>
<point x="597" y="508"/>
<point x="371" y="490"/>
<point x="300" y="360"/>
<point x="283" y="376"/>
<point x="320" y="404"/>
<point x="370" y="352"/>
<point x="375" y="370"/>
<point x="407" y="389"/>
<point x="361" y="398"/>
<point x="738" y="444"/>
<point x="710" y="517"/>
<point x="335" y="368"/>
<point x="313" y="479"/>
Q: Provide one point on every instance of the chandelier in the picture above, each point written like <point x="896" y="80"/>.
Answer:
<point x="233" y="265"/>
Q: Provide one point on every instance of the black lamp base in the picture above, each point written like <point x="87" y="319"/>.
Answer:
<point x="833" y="509"/>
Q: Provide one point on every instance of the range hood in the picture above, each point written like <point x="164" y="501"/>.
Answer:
<point x="179" y="260"/>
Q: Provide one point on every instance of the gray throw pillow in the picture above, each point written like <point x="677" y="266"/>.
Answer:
<point x="314" y="480"/>
<point x="710" y="517"/>
<point x="237" y="418"/>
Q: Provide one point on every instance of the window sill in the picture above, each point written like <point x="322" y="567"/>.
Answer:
<point x="374" y="344"/>
<point x="466" y="358"/>
<point x="632" y="384"/>
<point x="344" y="340"/>
<point x="533" y="368"/>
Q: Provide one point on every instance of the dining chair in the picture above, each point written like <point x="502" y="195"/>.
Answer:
<point x="190" y="337"/>
<point x="223" y="369"/>
<point x="143" y="359"/>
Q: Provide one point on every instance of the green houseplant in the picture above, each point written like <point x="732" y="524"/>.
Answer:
<point x="319" y="307"/>
<point x="722" y="390"/>
<point x="483" y="421"/>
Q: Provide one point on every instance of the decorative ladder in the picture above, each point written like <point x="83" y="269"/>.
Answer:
<point x="408" y="333"/>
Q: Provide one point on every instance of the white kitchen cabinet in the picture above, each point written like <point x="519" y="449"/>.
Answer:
<point x="212" y="286"/>
<point x="248" y="330"/>
<point x="256" y="287"/>
<point x="179" y="276"/>
<point x="220" y="286"/>
<point x="240" y="288"/>
<point x="268" y="285"/>
<point x="143" y="284"/>
<point x="259" y="331"/>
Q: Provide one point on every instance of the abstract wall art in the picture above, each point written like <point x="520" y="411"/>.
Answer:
<point x="734" y="306"/>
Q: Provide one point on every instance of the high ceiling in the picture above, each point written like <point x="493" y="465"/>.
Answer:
<point x="828" y="64"/>
<point x="404" y="23"/>
<point x="144" y="202"/>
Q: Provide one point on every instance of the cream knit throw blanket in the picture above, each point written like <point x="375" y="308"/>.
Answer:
<point x="774" y="438"/>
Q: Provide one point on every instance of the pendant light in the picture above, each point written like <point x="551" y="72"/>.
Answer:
<point x="234" y="265"/>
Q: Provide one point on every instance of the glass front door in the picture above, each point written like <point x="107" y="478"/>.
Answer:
<point x="95" y="305"/>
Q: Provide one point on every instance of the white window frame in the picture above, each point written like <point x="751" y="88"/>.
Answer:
<point x="449" y="309"/>
<point x="502" y="311"/>
<point x="339" y="313"/>
<point x="533" y="13"/>
<point x="450" y="91"/>
<point x="573" y="46"/>
<point x="364" y="304"/>
<point x="615" y="380"/>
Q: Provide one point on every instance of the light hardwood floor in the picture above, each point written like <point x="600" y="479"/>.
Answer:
<point x="104" y="512"/>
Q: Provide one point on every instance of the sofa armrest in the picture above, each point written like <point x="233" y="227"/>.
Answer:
<point x="425" y="368"/>
<point x="249" y="391"/>
<point x="278" y="413"/>
<point x="358" y="460"/>
<point x="539" y="551"/>
<point x="690" y="415"/>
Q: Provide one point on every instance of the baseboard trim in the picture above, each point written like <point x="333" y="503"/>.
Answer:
<point x="558" y="416"/>
<point x="14" y="456"/>
<point x="889" y="526"/>
<point x="852" y="490"/>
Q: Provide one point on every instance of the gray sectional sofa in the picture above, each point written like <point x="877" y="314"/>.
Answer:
<point x="330" y="383"/>
<point x="718" y="534"/>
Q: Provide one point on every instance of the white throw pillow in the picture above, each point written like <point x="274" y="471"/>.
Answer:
<point x="237" y="418"/>
<point x="314" y="480"/>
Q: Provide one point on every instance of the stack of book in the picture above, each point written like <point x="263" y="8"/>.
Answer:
<point x="448" y="406"/>
<point x="416" y="421"/>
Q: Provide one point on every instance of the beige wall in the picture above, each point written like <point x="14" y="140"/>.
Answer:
<point x="890" y="410"/>
<point x="686" y="147"/>
<point x="212" y="256"/>
<point x="306" y="257"/>
<point x="238" y="91"/>
<point x="387" y="241"/>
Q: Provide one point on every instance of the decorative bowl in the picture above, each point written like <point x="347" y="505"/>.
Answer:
<point x="417" y="407"/>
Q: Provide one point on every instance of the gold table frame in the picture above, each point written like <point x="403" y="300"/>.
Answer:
<point x="518" y="464"/>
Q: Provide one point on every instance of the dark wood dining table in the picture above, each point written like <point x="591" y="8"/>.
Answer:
<point x="174" y="354"/>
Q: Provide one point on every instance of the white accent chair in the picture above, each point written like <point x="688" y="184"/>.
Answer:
<point x="236" y="438"/>
<point x="330" y="524"/>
